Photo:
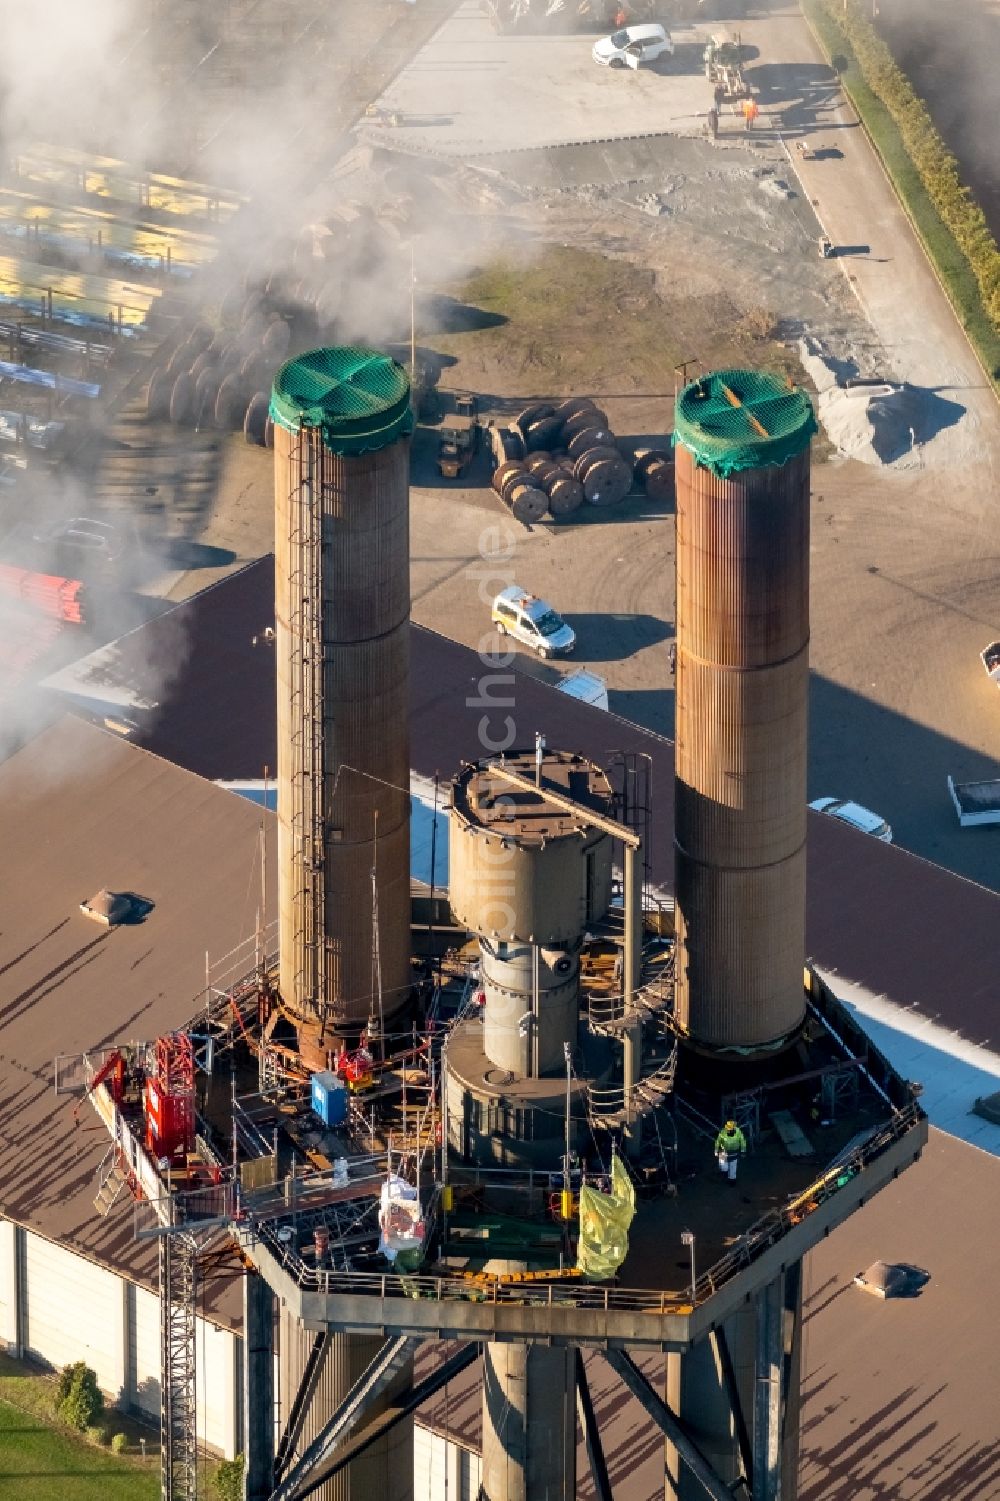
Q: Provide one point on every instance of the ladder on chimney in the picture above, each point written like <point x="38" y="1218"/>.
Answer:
<point x="306" y="651"/>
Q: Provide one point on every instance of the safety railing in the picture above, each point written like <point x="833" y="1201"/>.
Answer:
<point x="772" y="1226"/>
<point x="758" y="1239"/>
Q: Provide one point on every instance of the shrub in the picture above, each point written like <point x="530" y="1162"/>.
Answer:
<point x="228" y="1479"/>
<point x="935" y="164"/>
<point x="79" y="1401"/>
<point x="97" y="1435"/>
<point x="119" y="1443"/>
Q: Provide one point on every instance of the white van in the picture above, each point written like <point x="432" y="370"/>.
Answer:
<point x="586" y="686"/>
<point x="532" y="621"/>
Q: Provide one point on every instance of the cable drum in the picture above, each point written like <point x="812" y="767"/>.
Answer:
<point x="255" y="421"/>
<point x="182" y="400"/>
<point x="588" y="437"/>
<point x="505" y="472"/>
<point x="230" y="403"/>
<point x="565" y="496"/>
<point x="590" y="456"/>
<point x="527" y="503"/>
<point x="158" y="396"/>
<point x="607" y="481"/>
<point x="542" y="434"/>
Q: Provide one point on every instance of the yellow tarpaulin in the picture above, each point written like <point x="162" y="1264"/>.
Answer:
<point x="604" y="1222"/>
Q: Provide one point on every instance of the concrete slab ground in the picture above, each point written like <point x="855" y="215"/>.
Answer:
<point x="470" y="91"/>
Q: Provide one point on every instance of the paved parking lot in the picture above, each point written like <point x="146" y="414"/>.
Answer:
<point x="470" y="91"/>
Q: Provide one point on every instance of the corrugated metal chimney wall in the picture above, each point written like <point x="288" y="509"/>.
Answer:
<point x="742" y="679"/>
<point x="342" y="643"/>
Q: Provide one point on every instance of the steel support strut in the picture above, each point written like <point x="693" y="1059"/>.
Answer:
<point x="258" y="1388"/>
<point x="736" y="1405"/>
<point x="669" y="1424"/>
<point x="363" y="1438"/>
<point x="591" y="1433"/>
<point x="383" y="1370"/>
<point x="300" y="1403"/>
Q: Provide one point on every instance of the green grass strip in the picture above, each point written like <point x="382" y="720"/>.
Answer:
<point x="43" y="1464"/>
<point x="954" y="269"/>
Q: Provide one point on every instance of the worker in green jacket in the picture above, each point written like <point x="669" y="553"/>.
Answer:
<point x="730" y="1144"/>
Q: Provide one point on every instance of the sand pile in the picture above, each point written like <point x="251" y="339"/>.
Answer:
<point x="885" y="424"/>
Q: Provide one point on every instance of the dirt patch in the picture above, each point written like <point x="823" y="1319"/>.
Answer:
<point x="572" y="320"/>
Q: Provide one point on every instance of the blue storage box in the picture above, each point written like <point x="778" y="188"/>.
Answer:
<point x="329" y="1098"/>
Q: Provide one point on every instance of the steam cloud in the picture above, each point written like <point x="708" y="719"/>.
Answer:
<point x="232" y="94"/>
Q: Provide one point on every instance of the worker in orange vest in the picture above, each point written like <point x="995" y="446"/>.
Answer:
<point x="751" y="110"/>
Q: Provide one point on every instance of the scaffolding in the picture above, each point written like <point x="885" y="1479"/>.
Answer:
<point x="178" y="1406"/>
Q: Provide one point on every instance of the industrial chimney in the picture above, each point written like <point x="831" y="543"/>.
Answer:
<point x="342" y="420"/>
<point x="742" y="678"/>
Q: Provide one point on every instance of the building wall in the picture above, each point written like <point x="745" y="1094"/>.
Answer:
<point x="10" y="1250"/>
<point x="67" y="1308"/>
<point x="442" y="1470"/>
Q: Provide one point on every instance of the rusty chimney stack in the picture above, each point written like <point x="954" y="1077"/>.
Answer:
<point x="742" y="682"/>
<point x="342" y="421"/>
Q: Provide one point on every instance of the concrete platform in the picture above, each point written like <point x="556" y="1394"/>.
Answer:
<point x="470" y="91"/>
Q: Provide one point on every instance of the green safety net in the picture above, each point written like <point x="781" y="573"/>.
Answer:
<point x="604" y="1225"/>
<point x="359" y="399"/>
<point x="733" y="420"/>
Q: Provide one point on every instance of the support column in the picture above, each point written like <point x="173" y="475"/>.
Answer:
<point x="258" y="1387"/>
<point x="385" y="1471"/>
<point x="698" y="1391"/>
<point x="529" y="1423"/>
<point x="792" y="1382"/>
<point x="768" y="1406"/>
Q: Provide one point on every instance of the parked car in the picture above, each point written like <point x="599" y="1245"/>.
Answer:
<point x="633" y="46"/>
<point x="81" y="539"/>
<point x="532" y="621"/>
<point x="859" y="818"/>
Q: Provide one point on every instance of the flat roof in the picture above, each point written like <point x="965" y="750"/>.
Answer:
<point x="877" y="915"/>
<point x="898" y="1397"/>
<point x="79" y="811"/>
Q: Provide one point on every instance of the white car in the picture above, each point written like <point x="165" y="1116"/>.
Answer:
<point x="859" y="818"/>
<point x="530" y="620"/>
<point x="632" y="46"/>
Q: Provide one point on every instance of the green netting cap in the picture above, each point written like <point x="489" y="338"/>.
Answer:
<point x="733" y="420"/>
<point x="358" y="398"/>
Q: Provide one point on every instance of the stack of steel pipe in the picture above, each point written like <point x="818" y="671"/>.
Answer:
<point x="556" y="458"/>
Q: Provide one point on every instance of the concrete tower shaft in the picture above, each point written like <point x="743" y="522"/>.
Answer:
<point x="341" y="426"/>
<point x="742" y="482"/>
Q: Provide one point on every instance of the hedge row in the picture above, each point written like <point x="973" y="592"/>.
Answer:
<point x="936" y="165"/>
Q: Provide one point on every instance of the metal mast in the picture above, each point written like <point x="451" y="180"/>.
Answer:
<point x="178" y="1407"/>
